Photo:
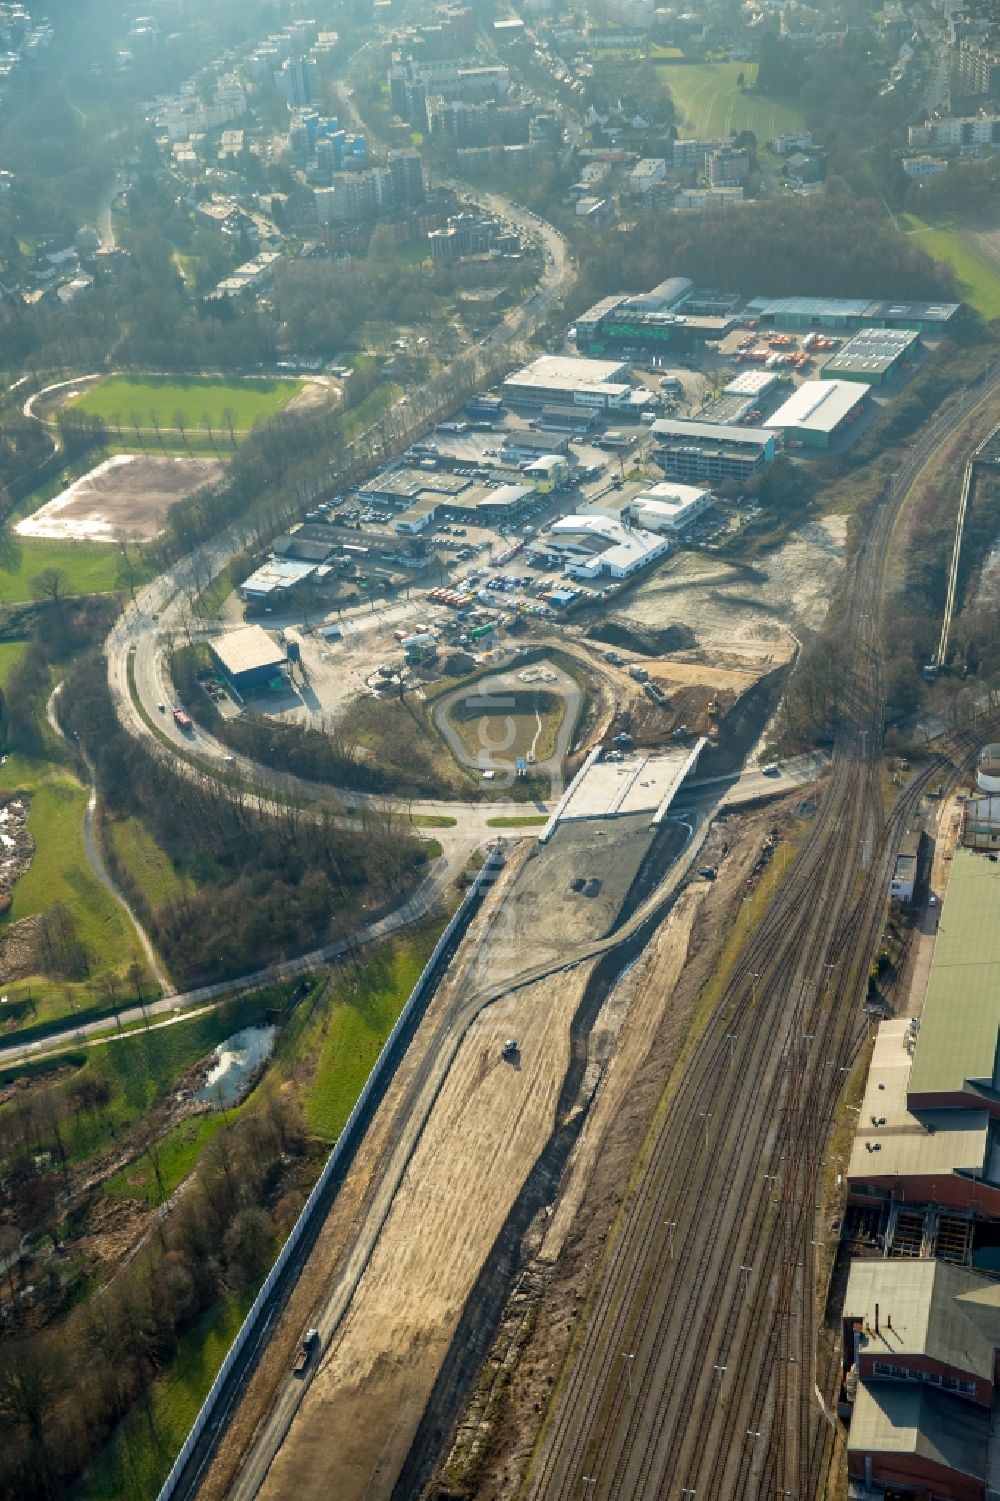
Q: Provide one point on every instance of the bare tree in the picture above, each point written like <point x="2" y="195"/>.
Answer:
<point x="50" y="585"/>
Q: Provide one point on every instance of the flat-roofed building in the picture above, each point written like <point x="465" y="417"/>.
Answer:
<point x="957" y="1061"/>
<point x="668" y="507"/>
<point x="277" y="576"/>
<point x="646" y="174"/>
<point x="817" y="411"/>
<point x="903" y="1158"/>
<point x="753" y="383"/>
<point x="872" y="355"/>
<point x="247" y="658"/>
<point x="581" y="382"/>
<point x="693" y="451"/>
<point x="906" y="869"/>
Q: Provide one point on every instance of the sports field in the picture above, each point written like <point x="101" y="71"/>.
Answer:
<point x="710" y="105"/>
<point x="962" y="248"/>
<point x="198" y="403"/>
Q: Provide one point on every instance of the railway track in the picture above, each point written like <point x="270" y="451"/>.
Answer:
<point x="694" y="1370"/>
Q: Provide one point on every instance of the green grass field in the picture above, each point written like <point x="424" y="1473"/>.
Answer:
<point x="149" y="866"/>
<point x="138" y="1457"/>
<point x="251" y="401"/>
<point x="177" y="1156"/>
<point x="59" y="872"/>
<point x="11" y="653"/>
<point x="90" y="568"/>
<point x="710" y="105"/>
<point x="362" y="1005"/>
<point x="978" y="282"/>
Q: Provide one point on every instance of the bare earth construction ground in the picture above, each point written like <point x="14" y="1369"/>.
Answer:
<point x="125" y="496"/>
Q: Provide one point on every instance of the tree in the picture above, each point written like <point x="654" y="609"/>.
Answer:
<point x="50" y="585"/>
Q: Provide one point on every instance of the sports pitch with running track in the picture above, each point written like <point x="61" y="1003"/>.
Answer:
<point x="710" y="105"/>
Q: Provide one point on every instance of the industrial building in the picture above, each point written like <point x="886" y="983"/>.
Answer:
<point x="927" y="1150"/>
<point x="524" y="446"/>
<point x="579" y="382"/>
<point x="906" y="870"/>
<point x="668" y="507"/>
<point x="247" y="658"/>
<point x="675" y="314"/>
<point x="755" y="384"/>
<point x="817" y="411"/>
<point x="598" y="544"/>
<point x="693" y="451"/>
<point x="277" y="576"/>
<point x="921" y="1342"/>
<point x="849" y="312"/>
<point x="873" y="355"/>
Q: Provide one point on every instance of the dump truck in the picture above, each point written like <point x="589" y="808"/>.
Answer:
<point x="310" y="1340"/>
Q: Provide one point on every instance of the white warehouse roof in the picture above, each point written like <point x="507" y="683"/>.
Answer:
<point x="624" y="548"/>
<point x="568" y="372"/>
<point x="752" y="383"/>
<point x="819" y="404"/>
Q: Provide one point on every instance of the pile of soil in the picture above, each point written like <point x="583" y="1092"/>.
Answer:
<point x="646" y="640"/>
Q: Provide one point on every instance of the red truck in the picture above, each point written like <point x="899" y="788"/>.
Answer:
<point x="184" y="720"/>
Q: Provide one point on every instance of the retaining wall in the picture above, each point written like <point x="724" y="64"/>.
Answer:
<point x="277" y="1283"/>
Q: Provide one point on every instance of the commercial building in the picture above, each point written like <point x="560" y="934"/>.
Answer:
<point x="674" y="313"/>
<point x="598" y="544"/>
<point x="921" y="1342"/>
<point x="247" y="658"/>
<point x="277" y="576"/>
<point x="817" y="411"/>
<point x="550" y="471"/>
<point x="668" y="507"/>
<point x="872" y="356"/>
<point x="477" y="505"/>
<point x="694" y="451"/>
<point x="581" y="382"/>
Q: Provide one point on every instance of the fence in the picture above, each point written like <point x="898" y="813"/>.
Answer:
<point x="344" y="1147"/>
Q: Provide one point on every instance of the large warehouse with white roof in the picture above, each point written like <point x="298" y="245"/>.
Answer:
<point x="816" y="412"/>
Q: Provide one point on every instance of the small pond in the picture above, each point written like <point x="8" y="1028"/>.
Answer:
<point x="236" y="1059"/>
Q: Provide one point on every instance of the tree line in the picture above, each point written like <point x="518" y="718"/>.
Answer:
<point x="65" y="1387"/>
<point x="271" y="883"/>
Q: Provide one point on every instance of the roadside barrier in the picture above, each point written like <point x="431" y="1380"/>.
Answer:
<point x="277" y="1284"/>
